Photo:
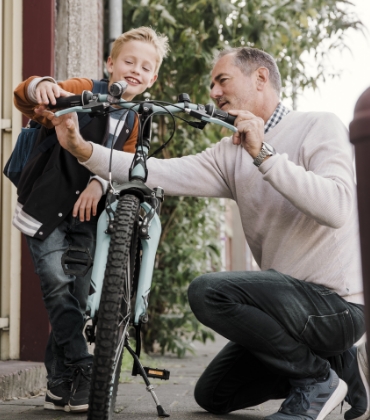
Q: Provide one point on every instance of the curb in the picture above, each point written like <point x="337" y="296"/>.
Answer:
<point x="21" y="379"/>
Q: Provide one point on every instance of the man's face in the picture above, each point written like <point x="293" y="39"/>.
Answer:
<point x="136" y="64"/>
<point x="232" y="89"/>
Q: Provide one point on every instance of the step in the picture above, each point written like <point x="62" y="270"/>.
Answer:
<point x="21" y="379"/>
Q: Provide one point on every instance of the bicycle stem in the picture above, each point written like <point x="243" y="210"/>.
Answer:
<point x="138" y="170"/>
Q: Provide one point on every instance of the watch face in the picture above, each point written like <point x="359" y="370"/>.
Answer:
<point x="269" y="148"/>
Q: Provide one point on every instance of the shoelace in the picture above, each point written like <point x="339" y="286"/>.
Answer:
<point x="297" y="400"/>
<point x="78" y="374"/>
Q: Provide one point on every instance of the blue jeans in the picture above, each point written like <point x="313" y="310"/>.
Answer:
<point x="279" y="328"/>
<point x="65" y="296"/>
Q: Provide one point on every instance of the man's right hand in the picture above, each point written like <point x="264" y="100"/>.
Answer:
<point x="67" y="130"/>
<point x="47" y="92"/>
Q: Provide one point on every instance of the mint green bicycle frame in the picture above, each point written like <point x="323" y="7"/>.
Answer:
<point x="149" y="246"/>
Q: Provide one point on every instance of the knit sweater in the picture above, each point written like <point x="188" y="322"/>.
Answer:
<point x="298" y="209"/>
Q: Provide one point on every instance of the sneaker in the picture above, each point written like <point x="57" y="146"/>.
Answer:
<point x="57" y="397"/>
<point x="310" y="399"/>
<point x="356" y="375"/>
<point x="79" y="400"/>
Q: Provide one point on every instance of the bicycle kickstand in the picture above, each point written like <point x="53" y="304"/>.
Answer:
<point x="149" y="387"/>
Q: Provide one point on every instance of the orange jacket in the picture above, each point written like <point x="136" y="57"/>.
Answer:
<point x="75" y="86"/>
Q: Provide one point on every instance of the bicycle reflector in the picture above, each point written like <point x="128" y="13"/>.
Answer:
<point x="157" y="373"/>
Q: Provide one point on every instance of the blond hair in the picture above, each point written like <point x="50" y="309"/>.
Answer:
<point x="144" y="34"/>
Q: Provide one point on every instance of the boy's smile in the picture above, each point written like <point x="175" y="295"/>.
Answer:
<point x="137" y="65"/>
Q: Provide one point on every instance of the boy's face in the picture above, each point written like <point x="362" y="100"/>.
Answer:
<point x="136" y="64"/>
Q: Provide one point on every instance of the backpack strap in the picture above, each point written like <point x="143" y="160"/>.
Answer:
<point x="131" y="119"/>
<point x="100" y="86"/>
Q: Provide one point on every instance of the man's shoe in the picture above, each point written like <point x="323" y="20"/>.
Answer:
<point x="79" y="400"/>
<point x="310" y="399"/>
<point x="356" y="375"/>
<point x="57" y="397"/>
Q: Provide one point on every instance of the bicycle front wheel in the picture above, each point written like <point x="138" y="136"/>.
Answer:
<point x="114" y="310"/>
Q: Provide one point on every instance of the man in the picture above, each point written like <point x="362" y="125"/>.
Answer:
<point x="291" y="175"/>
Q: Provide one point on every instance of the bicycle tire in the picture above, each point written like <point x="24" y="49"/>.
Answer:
<point x="114" y="310"/>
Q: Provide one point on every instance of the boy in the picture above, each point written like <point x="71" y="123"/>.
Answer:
<point x="52" y="219"/>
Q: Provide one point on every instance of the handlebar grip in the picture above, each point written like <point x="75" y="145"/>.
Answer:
<point x="219" y="114"/>
<point x="67" y="102"/>
<point x="224" y="116"/>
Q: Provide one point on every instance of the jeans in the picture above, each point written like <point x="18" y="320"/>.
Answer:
<point x="279" y="328"/>
<point x="65" y="296"/>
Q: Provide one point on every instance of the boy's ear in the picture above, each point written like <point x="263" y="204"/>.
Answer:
<point x="153" y="79"/>
<point x="109" y="65"/>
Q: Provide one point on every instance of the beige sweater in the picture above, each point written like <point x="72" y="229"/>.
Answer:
<point x="298" y="209"/>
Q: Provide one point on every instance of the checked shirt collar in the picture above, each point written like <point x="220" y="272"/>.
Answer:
<point x="276" y="117"/>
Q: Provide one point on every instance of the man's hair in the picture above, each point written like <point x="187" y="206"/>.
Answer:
<point x="250" y="59"/>
<point x="144" y="34"/>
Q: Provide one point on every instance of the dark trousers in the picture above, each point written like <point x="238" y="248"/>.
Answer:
<point x="279" y="328"/>
<point x="65" y="296"/>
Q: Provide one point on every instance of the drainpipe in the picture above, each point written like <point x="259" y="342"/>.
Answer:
<point x="360" y="137"/>
<point x="115" y="20"/>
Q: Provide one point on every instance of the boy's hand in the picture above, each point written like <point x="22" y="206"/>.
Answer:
<point x="47" y="92"/>
<point x="87" y="204"/>
<point x="69" y="137"/>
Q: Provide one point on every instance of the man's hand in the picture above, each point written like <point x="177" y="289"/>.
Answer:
<point x="250" y="131"/>
<point x="47" y="92"/>
<point x="87" y="204"/>
<point x="69" y="137"/>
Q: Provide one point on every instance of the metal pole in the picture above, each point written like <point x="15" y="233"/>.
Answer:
<point x="360" y="137"/>
<point x="115" y="20"/>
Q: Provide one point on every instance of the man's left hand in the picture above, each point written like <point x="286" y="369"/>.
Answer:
<point x="250" y="131"/>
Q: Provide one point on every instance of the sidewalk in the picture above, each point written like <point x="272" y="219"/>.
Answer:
<point x="135" y="403"/>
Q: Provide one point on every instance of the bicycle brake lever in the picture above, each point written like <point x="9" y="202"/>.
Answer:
<point x="93" y="107"/>
<point x="220" y="122"/>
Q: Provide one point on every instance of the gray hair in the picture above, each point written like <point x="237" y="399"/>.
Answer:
<point x="250" y="59"/>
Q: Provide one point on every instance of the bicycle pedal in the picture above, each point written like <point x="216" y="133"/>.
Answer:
<point x="157" y="373"/>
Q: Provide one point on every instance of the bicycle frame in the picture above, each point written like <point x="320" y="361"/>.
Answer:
<point x="149" y="243"/>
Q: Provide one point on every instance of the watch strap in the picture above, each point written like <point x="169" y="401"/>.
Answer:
<point x="266" y="150"/>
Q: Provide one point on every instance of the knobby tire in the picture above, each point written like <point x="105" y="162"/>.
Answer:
<point x="114" y="310"/>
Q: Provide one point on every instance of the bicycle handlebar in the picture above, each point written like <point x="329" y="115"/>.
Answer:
<point x="89" y="102"/>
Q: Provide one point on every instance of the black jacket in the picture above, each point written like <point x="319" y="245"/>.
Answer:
<point x="51" y="182"/>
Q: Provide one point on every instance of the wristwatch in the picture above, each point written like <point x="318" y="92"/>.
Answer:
<point x="266" y="150"/>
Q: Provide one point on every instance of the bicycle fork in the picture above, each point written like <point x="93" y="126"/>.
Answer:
<point x="149" y="249"/>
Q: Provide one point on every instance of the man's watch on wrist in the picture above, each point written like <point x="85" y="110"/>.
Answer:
<point x="266" y="150"/>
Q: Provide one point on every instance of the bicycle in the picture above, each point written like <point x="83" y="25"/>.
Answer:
<point x="128" y="234"/>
